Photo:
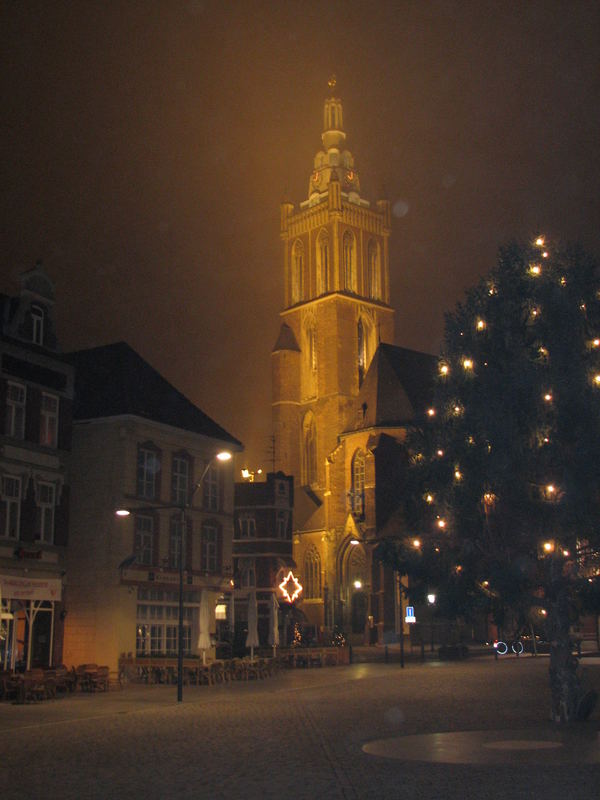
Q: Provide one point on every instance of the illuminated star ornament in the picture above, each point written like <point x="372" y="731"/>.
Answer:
<point x="290" y="587"/>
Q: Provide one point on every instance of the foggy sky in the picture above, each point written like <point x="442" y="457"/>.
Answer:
<point x="147" y="147"/>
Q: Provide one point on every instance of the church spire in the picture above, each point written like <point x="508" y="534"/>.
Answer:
<point x="333" y="162"/>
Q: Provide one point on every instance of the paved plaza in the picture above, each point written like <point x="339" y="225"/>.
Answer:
<point x="362" y="731"/>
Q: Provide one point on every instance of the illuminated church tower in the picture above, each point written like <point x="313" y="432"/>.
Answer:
<point x="336" y="306"/>
<point x="336" y="317"/>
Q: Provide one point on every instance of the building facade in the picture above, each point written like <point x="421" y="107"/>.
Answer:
<point x="262" y="552"/>
<point x="343" y="394"/>
<point x="138" y="444"/>
<point x="36" y="394"/>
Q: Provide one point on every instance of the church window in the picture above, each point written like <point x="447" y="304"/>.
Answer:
<point x="323" y="264"/>
<point x="373" y="271"/>
<point x="312" y="575"/>
<point x="349" y="262"/>
<point x="297" y="272"/>
<point x="312" y="350"/>
<point x="309" y="450"/>
<point x="309" y="370"/>
<point x="358" y="484"/>
<point x="362" y="352"/>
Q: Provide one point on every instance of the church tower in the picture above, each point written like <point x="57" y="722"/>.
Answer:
<point x="336" y="306"/>
<point x="336" y="313"/>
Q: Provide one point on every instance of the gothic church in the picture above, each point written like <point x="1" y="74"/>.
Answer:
<point x="343" y="394"/>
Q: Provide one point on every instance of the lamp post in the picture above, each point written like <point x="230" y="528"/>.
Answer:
<point x="223" y="455"/>
<point x="431" y="598"/>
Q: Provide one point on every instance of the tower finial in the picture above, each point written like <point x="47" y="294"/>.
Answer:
<point x="332" y="82"/>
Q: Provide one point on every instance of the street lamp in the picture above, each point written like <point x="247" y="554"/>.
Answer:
<point x="223" y="455"/>
<point x="431" y="598"/>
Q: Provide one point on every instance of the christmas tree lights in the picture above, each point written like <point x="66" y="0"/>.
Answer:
<point x="530" y="410"/>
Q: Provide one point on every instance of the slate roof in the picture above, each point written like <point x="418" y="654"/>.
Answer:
<point x="286" y="339"/>
<point x="397" y="388"/>
<point x="114" y="380"/>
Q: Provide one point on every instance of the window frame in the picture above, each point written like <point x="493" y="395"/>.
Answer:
<point x="49" y="420"/>
<point x="281" y="524"/>
<point x="312" y="575"/>
<point x="349" y="261"/>
<point x="11" y="508"/>
<point x="209" y="548"/>
<point x="141" y="537"/>
<point x="358" y="483"/>
<point x="146" y="477"/>
<point x="211" y="490"/>
<point x="38" y="316"/>
<point x="177" y="550"/>
<point x="15" y="422"/>
<point x="247" y="526"/>
<point x="46" y="512"/>
<point x="180" y="494"/>
<point x="297" y="273"/>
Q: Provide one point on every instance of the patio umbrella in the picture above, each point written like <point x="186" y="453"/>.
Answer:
<point x="273" y="623"/>
<point x="204" y="625"/>
<point x="252" y="638"/>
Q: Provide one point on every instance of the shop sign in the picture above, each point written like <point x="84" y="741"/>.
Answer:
<point x="17" y="588"/>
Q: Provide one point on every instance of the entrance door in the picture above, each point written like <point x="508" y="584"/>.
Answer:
<point x="359" y="612"/>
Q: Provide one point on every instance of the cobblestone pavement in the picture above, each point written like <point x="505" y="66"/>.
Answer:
<point x="296" y="735"/>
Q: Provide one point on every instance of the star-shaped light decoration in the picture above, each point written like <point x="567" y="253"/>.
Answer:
<point x="290" y="587"/>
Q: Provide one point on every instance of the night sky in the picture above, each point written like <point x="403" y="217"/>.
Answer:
<point x="146" y="147"/>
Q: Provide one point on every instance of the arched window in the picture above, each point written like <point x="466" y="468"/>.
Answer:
<point x="309" y="450"/>
<point x="309" y="359"/>
<point x="373" y="271"/>
<point x="297" y="272"/>
<point x="322" y="263"/>
<point x="312" y="575"/>
<point x="349" y="262"/>
<point x="358" y="484"/>
<point x="362" y="352"/>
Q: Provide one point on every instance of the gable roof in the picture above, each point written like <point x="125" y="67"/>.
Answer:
<point x="114" y="380"/>
<point x="397" y="388"/>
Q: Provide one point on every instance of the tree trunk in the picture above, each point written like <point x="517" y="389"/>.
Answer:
<point x="570" y="701"/>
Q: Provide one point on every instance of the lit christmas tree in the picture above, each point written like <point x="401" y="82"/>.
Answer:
<point x="503" y="480"/>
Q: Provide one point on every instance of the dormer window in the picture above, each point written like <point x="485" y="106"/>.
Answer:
<point x="37" y="325"/>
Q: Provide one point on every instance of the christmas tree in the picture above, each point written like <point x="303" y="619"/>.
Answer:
<point x="502" y="485"/>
